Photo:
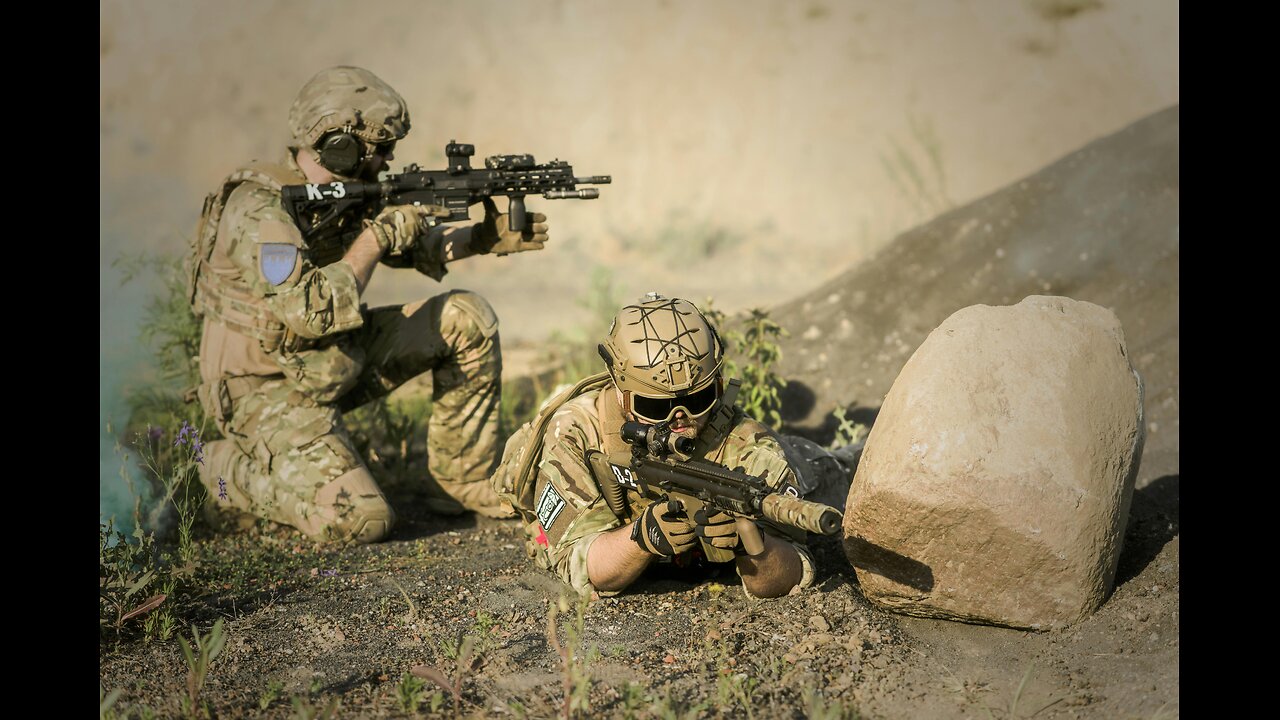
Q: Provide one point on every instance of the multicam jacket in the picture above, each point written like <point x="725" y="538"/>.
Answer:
<point x="272" y="303"/>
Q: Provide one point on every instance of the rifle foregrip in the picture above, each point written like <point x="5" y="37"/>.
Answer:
<point x="517" y="213"/>
<point x="811" y="516"/>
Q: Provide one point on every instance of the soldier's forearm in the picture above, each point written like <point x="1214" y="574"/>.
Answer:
<point x="456" y="242"/>
<point x="363" y="257"/>
<point x="773" y="572"/>
<point x="615" y="561"/>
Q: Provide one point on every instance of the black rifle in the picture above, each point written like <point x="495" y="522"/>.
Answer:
<point x="456" y="188"/>
<point x="654" y="474"/>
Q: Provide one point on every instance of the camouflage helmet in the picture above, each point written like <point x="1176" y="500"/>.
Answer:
<point x="662" y="347"/>
<point x="348" y="98"/>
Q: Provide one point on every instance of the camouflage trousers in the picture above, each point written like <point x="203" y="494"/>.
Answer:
<point x="287" y="456"/>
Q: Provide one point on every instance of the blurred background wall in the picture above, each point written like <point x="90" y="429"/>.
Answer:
<point x="757" y="148"/>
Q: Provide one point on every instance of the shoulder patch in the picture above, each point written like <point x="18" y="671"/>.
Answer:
<point x="276" y="261"/>
<point x="549" y="506"/>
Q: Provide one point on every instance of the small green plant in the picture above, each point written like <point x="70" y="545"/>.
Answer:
<point x="847" y="431"/>
<point x="304" y="710"/>
<point x="574" y="663"/>
<point x="751" y="343"/>
<point x="632" y="700"/>
<point x="178" y="474"/>
<point x="200" y="654"/>
<point x="140" y="578"/>
<point x="270" y="695"/>
<point x="106" y="700"/>
<point x="127" y="573"/>
<point x="410" y="693"/>
<point x="462" y="652"/>
<point x="734" y="688"/>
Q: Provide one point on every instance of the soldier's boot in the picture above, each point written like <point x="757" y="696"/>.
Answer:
<point x="225" y="505"/>
<point x="451" y="497"/>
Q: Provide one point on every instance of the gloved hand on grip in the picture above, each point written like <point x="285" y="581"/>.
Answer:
<point x="495" y="235"/>
<point x="399" y="227"/>
<point x="664" y="529"/>
<point x="722" y="530"/>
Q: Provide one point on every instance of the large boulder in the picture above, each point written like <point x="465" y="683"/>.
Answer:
<point x="996" y="482"/>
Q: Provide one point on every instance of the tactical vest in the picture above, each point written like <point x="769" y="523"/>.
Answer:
<point x="210" y="293"/>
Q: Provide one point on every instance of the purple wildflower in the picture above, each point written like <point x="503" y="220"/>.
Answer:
<point x="154" y="433"/>
<point x="329" y="573"/>
<point x="222" y="488"/>
<point x="182" y="434"/>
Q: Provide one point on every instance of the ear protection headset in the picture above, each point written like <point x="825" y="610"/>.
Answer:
<point x="341" y="152"/>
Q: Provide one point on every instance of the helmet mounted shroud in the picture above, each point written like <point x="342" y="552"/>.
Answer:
<point x="664" y="355"/>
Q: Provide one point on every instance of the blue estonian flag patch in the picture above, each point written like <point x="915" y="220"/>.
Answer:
<point x="277" y="260"/>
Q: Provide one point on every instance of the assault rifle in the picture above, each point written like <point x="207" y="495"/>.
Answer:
<point x="456" y="188"/>
<point x="660" y="469"/>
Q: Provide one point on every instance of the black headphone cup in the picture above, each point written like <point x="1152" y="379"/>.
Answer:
<point x="341" y="152"/>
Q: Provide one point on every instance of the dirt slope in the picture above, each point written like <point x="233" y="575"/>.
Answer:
<point x="1101" y="225"/>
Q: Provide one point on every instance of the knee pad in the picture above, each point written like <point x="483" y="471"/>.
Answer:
<point x="469" y="315"/>
<point x="355" y="508"/>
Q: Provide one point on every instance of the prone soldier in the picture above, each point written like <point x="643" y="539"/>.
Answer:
<point x="664" y="370"/>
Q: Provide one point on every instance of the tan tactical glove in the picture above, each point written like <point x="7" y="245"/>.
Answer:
<point x="495" y="235"/>
<point x="722" y="530"/>
<point x="399" y="227"/>
<point x="664" y="529"/>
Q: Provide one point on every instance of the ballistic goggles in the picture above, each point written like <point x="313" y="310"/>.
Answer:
<point x="659" y="410"/>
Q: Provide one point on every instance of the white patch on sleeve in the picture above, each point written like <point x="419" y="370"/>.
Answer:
<point x="549" y="506"/>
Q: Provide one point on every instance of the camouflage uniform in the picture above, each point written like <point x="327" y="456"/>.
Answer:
<point x="282" y="359"/>
<point x="568" y="511"/>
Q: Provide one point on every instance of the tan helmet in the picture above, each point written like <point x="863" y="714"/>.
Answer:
<point x="663" y="348"/>
<point x="351" y="99"/>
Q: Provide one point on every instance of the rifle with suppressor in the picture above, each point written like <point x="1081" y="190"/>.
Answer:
<point x="660" y="469"/>
<point x="456" y="188"/>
